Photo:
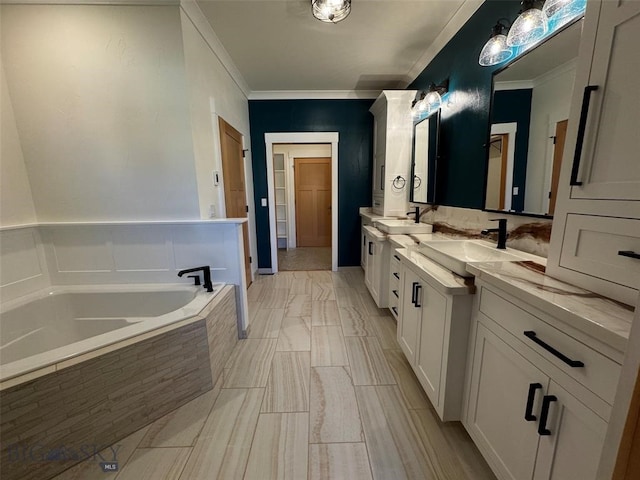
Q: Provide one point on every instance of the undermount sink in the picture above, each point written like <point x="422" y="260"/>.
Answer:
<point x="455" y="254"/>
<point x="403" y="226"/>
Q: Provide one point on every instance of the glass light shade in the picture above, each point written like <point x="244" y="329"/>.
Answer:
<point x="560" y="12"/>
<point x="433" y="100"/>
<point x="495" y="51"/>
<point x="528" y="28"/>
<point x="330" y="11"/>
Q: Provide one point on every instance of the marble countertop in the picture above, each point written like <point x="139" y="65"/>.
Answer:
<point x="401" y="241"/>
<point x="599" y="317"/>
<point x="377" y="235"/>
<point x="442" y="279"/>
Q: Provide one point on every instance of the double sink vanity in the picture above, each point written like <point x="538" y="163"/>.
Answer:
<point x="527" y="363"/>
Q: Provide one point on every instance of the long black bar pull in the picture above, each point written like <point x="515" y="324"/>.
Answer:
<point x="582" y="127"/>
<point x="544" y="414"/>
<point x="531" y="397"/>
<point x="572" y="363"/>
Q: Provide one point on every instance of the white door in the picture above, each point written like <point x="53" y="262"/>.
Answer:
<point x="431" y="344"/>
<point x="501" y="384"/>
<point x="572" y="448"/>
<point x="409" y="323"/>
<point x="609" y="166"/>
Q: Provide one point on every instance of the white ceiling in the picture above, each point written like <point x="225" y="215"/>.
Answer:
<point x="278" y="45"/>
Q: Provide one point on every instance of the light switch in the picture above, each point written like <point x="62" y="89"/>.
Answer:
<point x="263" y="202"/>
<point x="516" y="190"/>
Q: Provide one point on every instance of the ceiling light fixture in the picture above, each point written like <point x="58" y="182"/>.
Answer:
<point x="331" y="11"/>
<point x="530" y="26"/>
<point x="496" y="50"/>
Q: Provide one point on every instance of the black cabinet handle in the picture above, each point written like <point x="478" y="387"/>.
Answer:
<point x="364" y="240"/>
<point x="370" y="245"/>
<point x="382" y="177"/>
<point x="418" y="288"/>
<point x="572" y="363"/>
<point x="396" y="257"/>
<point x="531" y="397"/>
<point x="395" y="310"/>
<point x="396" y="275"/>
<point x="629" y="253"/>
<point x="544" y="414"/>
<point x="582" y="126"/>
<point x="413" y="293"/>
<point x="395" y="292"/>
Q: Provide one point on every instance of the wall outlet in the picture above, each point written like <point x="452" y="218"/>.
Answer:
<point x="516" y="190"/>
<point x="263" y="202"/>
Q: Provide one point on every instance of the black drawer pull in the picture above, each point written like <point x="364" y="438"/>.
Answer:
<point x="413" y="293"/>
<point x="531" y="397"/>
<point x="544" y="414"/>
<point x="364" y="240"/>
<point x="629" y="253"/>
<point x="418" y="288"/>
<point x="582" y="126"/>
<point x="396" y="257"/>
<point x="572" y="363"/>
<point x="395" y="310"/>
<point x="395" y="292"/>
<point x="395" y="274"/>
<point x="370" y="245"/>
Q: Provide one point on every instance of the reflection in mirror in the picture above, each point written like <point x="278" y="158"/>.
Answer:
<point x="529" y="112"/>
<point x="425" y="154"/>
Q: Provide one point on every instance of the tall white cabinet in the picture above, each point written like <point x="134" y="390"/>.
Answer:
<point x="596" y="231"/>
<point x="392" y="134"/>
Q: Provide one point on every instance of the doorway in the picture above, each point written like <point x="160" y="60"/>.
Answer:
<point x="558" y="148"/>
<point x="326" y="227"/>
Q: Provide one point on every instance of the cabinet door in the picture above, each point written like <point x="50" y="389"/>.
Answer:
<point x="500" y="385"/>
<point x="363" y="249"/>
<point x="572" y="449"/>
<point x="609" y="163"/>
<point x="379" y="151"/>
<point x="431" y="343"/>
<point x="409" y="323"/>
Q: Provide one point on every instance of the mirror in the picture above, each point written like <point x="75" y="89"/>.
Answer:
<point x="529" y="112"/>
<point x="424" y="158"/>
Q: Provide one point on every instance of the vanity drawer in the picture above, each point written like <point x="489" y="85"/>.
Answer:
<point x="599" y="373"/>
<point x="591" y="245"/>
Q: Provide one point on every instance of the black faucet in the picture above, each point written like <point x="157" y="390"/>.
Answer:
<point x="415" y="212"/>
<point x="502" y="232"/>
<point x="206" y="272"/>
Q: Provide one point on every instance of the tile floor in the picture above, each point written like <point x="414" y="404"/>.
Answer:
<point x="319" y="390"/>
<point x="304" y="258"/>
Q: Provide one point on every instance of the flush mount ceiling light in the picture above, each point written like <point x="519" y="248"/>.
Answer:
<point x="530" y="26"/>
<point x="331" y="11"/>
<point x="496" y="50"/>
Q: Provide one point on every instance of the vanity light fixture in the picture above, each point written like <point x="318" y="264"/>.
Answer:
<point x="419" y="106"/>
<point x="496" y="50"/>
<point x="429" y="101"/>
<point x="330" y="11"/>
<point x="530" y="26"/>
<point x="560" y="12"/>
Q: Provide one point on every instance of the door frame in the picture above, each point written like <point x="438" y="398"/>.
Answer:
<point x="302" y="137"/>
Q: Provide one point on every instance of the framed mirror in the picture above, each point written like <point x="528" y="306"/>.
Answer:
<point x="528" y="122"/>
<point x="424" y="159"/>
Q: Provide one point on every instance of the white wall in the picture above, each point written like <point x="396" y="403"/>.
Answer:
<point x="550" y="103"/>
<point x="100" y="101"/>
<point x="16" y="203"/>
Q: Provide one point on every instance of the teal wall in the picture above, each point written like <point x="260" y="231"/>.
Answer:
<point x="354" y="124"/>
<point x="465" y="122"/>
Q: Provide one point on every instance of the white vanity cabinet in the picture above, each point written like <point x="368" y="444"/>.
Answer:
<point x="392" y="134"/>
<point x="539" y="393"/>
<point x="376" y="262"/>
<point x="598" y="209"/>
<point x="433" y="327"/>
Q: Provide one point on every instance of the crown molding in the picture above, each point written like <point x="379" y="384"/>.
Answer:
<point x="462" y="15"/>
<point x="314" y="94"/>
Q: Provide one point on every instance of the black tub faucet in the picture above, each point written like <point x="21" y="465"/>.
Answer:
<point x="416" y="213"/>
<point x="502" y="232"/>
<point x="206" y="272"/>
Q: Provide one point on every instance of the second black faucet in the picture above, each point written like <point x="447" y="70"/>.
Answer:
<point x="206" y="273"/>
<point x="502" y="232"/>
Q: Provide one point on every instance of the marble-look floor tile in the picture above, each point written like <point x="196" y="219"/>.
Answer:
<point x="339" y="461"/>
<point x="222" y="449"/>
<point x="90" y="469"/>
<point x="324" y="313"/>
<point x="370" y="304"/>
<point x="327" y="347"/>
<point x="288" y="385"/>
<point x="274" y="297"/>
<point x="181" y="427"/>
<point x="368" y="365"/>
<point x="301" y="286"/>
<point x="349" y="297"/>
<point x="333" y="413"/>
<point x="386" y="330"/>
<point x="280" y="448"/>
<point x="321" y="276"/>
<point x="295" y="335"/>
<point x="354" y="322"/>
<point x="155" y="464"/>
<point x="395" y="448"/>
<point x="283" y="280"/>
<point x="254" y="291"/>
<point x="249" y="363"/>
<point x="408" y="383"/>
<point x="265" y="323"/>
<point x="322" y="292"/>
<point x="298" y="306"/>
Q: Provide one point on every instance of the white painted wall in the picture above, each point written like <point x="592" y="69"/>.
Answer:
<point x="16" y="203"/>
<point x="101" y="107"/>
<point x="550" y="103"/>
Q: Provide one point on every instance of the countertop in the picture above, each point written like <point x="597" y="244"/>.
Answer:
<point x="599" y="317"/>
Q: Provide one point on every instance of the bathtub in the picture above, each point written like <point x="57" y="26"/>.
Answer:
<point x="60" y="323"/>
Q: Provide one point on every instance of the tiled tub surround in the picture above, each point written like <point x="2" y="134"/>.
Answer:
<point x="104" y="395"/>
